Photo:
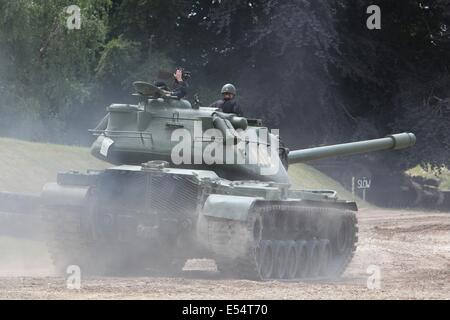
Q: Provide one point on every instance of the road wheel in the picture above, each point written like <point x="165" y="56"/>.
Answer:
<point x="313" y="258"/>
<point x="267" y="259"/>
<point x="292" y="260"/>
<point x="281" y="259"/>
<point x="325" y="257"/>
<point x="302" y="259"/>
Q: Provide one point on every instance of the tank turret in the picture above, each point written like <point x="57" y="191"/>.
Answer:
<point x="164" y="128"/>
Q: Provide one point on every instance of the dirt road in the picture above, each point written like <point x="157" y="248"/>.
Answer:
<point x="409" y="251"/>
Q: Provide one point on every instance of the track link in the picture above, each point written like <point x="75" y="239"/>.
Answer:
<point x="69" y="244"/>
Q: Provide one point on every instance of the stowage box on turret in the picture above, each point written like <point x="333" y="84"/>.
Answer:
<point x="197" y="183"/>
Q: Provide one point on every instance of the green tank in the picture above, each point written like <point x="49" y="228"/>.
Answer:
<point x="191" y="182"/>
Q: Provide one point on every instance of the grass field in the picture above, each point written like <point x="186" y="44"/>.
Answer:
<point x="26" y="166"/>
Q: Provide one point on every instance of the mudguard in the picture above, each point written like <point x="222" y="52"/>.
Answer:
<point x="228" y="207"/>
<point x="222" y="228"/>
<point x="57" y="195"/>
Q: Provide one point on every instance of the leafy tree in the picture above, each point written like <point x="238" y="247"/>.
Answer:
<point x="47" y="69"/>
<point x="309" y="67"/>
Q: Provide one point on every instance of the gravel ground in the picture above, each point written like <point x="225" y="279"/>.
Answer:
<point x="410" y="251"/>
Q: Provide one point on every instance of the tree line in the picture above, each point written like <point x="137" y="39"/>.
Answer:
<point x="311" y="68"/>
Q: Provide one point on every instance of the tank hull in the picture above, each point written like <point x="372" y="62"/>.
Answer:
<point x="253" y="230"/>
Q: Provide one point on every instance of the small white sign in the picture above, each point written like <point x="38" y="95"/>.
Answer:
<point x="106" y="144"/>
<point x="364" y="183"/>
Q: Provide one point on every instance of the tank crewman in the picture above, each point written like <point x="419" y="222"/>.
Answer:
<point x="180" y="86"/>
<point x="228" y="104"/>
<point x="179" y="89"/>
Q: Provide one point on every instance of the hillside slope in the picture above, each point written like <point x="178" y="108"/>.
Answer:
<point x="26" y="166"/>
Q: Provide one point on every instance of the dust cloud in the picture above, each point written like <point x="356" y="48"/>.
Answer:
<point x="23" y="251"/>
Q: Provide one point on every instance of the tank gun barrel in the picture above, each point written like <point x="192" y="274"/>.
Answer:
<point x="392" y="142"/>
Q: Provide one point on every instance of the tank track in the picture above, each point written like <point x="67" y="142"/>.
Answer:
<point x="68" y="245"/>
<point x="287" y="242"/>
<point x="290" y="243"/>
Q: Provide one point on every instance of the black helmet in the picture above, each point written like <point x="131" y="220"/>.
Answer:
<point x="229" y="88"/>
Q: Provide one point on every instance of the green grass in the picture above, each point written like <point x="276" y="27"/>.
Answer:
<point x="307" y="177"/>
<point x="442" y="177"/>
<point x="26" y="166"/>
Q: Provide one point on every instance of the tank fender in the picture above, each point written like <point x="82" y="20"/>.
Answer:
<point x="54" y="194"/>
<point x="222" y="228"/>
<point x="228" y="207"/>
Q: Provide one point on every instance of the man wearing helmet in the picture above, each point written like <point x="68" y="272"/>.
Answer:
<point x="228" y="104"/>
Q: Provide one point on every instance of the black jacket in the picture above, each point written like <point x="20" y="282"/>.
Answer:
<point x="180" y="89"/>
<point x="229" y="106"/>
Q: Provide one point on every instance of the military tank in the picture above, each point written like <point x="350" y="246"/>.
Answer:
<point x="191" y="182"/>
